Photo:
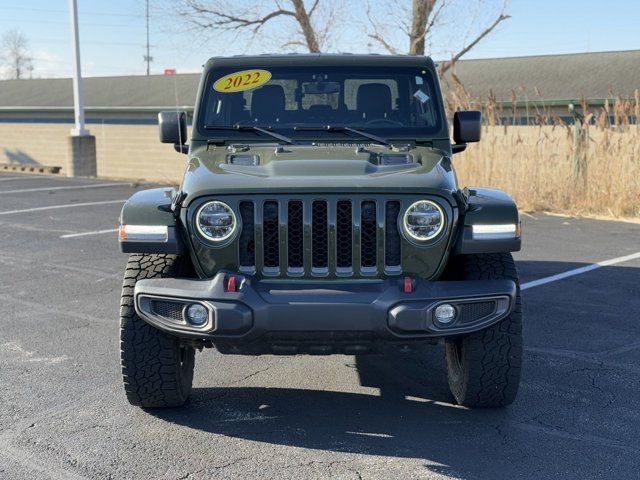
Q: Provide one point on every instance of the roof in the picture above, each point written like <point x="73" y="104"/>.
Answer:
<point x="319" y="59"/>
<point x="125" y="91"/>
<point x="594" y="75"/>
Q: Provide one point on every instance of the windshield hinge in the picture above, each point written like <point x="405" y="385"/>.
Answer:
<point x="176" y="202"/>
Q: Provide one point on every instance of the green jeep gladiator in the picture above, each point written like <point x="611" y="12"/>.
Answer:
<point x="320" y="213"/>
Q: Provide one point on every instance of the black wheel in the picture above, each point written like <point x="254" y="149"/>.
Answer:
<point x="484" y="367"/>
<point x="157" y="370"/>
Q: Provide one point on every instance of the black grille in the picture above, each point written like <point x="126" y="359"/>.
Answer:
<point x="319" y="235"/>
<point x="334" y="237"/>
<point x="472" y="311"/>
<point x="270" y="241"/>
<point x="170" y="310"/>
<point x="392" y="242"/>
<point x="246" y="242"/>
<point x="344" y="240"/>
<point x="295" y="237"/>
<point x="368" y="243"/>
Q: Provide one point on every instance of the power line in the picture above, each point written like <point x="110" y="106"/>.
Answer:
<point x="46" y="10"/>
<point x="61" y="22"/>
<point x="60" y="40"/>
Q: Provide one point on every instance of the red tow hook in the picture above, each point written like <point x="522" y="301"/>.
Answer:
<point x="408" y="287"/>
<point x="231" y="284"/>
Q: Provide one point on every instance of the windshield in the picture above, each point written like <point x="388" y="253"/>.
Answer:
<point x="302" y="101"/>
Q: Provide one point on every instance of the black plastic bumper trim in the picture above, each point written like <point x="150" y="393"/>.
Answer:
<point x="378" y="307"/>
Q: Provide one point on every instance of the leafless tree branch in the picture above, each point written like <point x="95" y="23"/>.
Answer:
<point x="221" y="19"/>
<point x="424" y="17"/>
<point x="377" y="34"/>
<point x="418" y="37"/>
<point x="294" y="43"/>
<point x="313" y="7"/>
<point x="447" y="65"/>
<point x="421" y="10"/>
<point x="213" y="14"/>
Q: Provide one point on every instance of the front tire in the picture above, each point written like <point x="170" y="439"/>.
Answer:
<point x="484" y="367"/>
<point x="157" y="369"/>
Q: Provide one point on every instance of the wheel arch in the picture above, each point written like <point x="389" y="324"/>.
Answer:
<point x="151" y="208"/>
<point x="486" y="207"/>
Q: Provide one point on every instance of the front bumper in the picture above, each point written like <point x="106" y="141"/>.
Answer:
<point x="319" y="316"/>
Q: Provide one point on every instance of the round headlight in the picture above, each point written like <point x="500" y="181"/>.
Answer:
<point x="423" y="220"/>
<point x="216" y="221"/>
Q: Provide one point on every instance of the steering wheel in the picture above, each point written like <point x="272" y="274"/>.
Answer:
<point x="384" y="120"/>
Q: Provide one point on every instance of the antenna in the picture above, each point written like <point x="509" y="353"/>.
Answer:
<point x="148" y="58"/>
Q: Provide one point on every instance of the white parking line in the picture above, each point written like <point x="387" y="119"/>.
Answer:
<point x="54" y="207"/>
<point x="6" y="179"/>
<point x="578" y="271"/>
<point x="72" y="187"/>
<point x="83" y="234"/>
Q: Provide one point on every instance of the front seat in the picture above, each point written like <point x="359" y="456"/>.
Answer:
<point x="320" y="112"/>
<point x="373" y="101"/>
<point x="267" y="104"/>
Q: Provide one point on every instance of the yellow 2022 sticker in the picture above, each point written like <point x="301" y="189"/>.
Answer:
<point x="241" y="81"/>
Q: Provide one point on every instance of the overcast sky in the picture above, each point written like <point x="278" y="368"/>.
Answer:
<point x="113" y="33"/>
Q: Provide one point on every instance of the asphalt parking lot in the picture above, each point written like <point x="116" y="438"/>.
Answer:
<point x="63" y="414"/>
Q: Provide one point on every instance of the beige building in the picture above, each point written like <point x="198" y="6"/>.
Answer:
<point x="121" y="112"/>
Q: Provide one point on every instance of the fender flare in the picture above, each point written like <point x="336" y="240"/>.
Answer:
<point x="486" y="206"/>
<point x="151" y="208"/>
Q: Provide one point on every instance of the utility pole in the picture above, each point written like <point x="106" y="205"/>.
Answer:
<point x="78" y="105"/>
<point x="81" y="157"/>
<point x="148" y="58"/>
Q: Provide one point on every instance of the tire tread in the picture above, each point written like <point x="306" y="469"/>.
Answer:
<point x="492" y="358"/>
<point x="150" y="359"/>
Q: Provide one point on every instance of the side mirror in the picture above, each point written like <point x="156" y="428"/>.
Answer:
<point x="467" y="127"/>
<point x="173" y="129"/>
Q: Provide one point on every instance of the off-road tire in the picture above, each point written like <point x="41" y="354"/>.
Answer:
<point x="484" y="367"/>
<point x="157" y="370"/>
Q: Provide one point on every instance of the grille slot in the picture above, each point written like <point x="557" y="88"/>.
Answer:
<point x="295" y="241"/>
<point x="271" y="240"/>
<point x="344" y="234"/>
<point x="319" y="235"/>
<point x="307" y="236"/>
<point x="170" y="310"/>
<point x="247" y="245"/>
<point x="392" y="241"/>
<point x="368" y="242"/>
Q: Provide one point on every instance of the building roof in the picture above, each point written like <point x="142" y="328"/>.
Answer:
<point x="553" y="77"/>
<point x="594" y="75"/>
<point x="125" y="91"/>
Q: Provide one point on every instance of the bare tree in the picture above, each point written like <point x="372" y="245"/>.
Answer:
<point x="419" y="24"/>
<point x="15" y="55"/>
<point x="311" y="32"/>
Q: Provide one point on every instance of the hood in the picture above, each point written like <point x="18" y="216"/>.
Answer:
<point x="327" y="168"/>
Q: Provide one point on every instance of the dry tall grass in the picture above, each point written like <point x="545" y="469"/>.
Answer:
<point x="535" y="164"/>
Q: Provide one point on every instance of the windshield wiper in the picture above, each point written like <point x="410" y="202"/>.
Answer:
<point x="343" y="128"/>
<point x="251" y="128"/>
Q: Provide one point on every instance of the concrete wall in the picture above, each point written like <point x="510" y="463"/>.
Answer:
<point x="123" y="151"/>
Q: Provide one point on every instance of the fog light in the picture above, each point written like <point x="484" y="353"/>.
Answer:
<point x="445" y="313"/>
<point x="197" y="314"/>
